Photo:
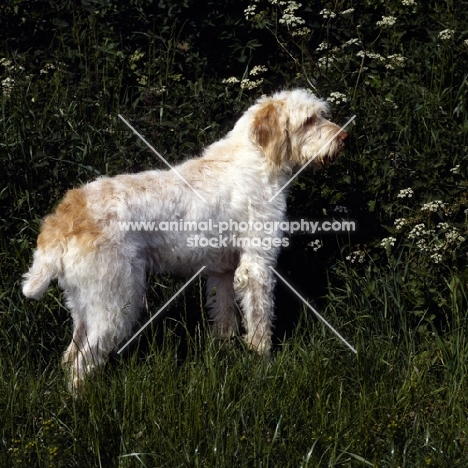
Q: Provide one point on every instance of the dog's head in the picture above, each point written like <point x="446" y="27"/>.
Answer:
<point x="292" y="129"/>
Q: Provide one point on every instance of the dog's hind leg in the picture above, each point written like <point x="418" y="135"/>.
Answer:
<point x="104" y="306"/>
<point x="254" y="286"/>
<point x="220" y="304"/>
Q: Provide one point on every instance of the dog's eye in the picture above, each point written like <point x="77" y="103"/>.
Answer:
<point x="325" y="115"/>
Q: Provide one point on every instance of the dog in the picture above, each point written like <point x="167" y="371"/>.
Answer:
<point x="239" y="181"/>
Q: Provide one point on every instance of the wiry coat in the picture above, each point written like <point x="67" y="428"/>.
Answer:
<point x="102" y="267"/>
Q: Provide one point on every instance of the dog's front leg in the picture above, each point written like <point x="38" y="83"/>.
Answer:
<point x="254" y="287"/>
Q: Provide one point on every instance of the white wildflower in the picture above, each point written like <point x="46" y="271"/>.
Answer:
<point x="257" y="70"/>
<point x="456" y="169"/>
<point x="302" y="32"/>
<point x="327" y="13"/>
<point x="5" y="63"/>
<point x="337" y="98"/>
<point x="418" y="231"/>
<point x="356" y="256"/>
<point x="316" y="244"/>
<point x="405" y="193"/>
<point x="347" y="12"/>
<point x="453" y="237"/>
<point x="47" y="68"/>
<point x="408" y="2"/>
<point x="443" y="226"/>
<point x="325" y="61"/>
<point x="436" y="257"/>
<point x="386" y="21"/>
<point x="395" y="60"/>
<point x="422" y="245"/>
<point x="433" y="206"/>
<point x="351" y="42"/>
<point x="230" y="81"/>
<point x="289" y="18"/>
<point x="250" y="84"/>
<point x="135" y="57"/>
<point x="159" y="90"/>
<point x="388" y="242"/>
<point x="371" y="55"/>
<point x="7" y="86"/>
<point x="390" y="62"/>
<point x="399" y="223"/>
<point x="446" y="34"/>
<point x="250" y="12"/>
<point x="322" y="46"/>
<point x="143" y="80"/>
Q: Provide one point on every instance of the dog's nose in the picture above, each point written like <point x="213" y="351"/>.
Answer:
<point x="343" y="135"/>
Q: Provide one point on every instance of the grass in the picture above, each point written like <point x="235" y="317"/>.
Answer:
<point x="313" y="404"/>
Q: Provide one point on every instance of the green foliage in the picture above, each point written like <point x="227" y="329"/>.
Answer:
<point x="225" y="407"/>
<point x="182" y="72"/>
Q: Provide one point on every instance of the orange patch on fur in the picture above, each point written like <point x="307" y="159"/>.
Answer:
<point x="71" y="219"/>
<point x="269" y="134"/>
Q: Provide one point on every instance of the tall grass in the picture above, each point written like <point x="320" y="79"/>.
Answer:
<point x="313" y="404"/>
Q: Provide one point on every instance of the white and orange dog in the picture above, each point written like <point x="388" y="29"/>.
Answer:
<point x="102" y="268"/>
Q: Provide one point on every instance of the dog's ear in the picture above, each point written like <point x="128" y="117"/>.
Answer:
<point x="269" y="131"/>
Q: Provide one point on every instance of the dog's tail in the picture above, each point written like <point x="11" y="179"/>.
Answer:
<point x="70" y="220"/>
<point x="46" y="266"/>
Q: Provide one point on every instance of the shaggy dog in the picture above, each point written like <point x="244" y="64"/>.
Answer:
<point x="102" y="263"/>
